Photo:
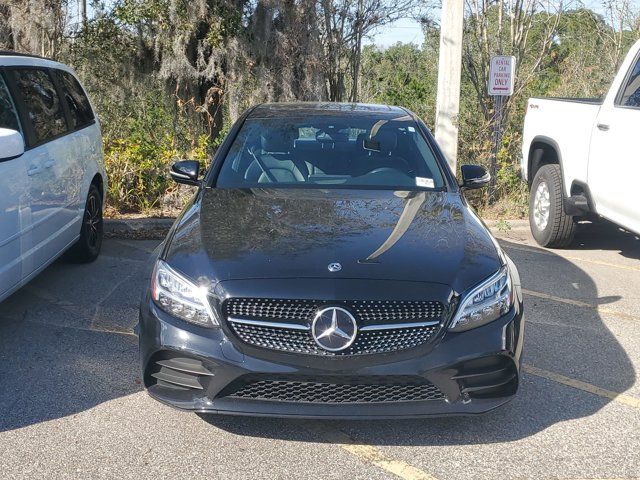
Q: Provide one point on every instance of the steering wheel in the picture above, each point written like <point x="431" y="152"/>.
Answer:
<point x="403" y="166"/>
<point x="391" y="170"/>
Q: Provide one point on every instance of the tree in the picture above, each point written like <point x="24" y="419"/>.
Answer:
<point x="6" y="32"/>
<point x="622" y="19"/>
<point x="403" y="74"/>
<point x="525" y="29"/>
<point x="344" y="24"/>
<point x="35" y="26"/>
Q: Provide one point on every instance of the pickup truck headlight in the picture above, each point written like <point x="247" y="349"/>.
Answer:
<point x="180" y="297"/>
<point x="485" y="303"/>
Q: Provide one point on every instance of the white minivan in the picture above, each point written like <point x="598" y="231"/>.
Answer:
<point x="52" y="176"/>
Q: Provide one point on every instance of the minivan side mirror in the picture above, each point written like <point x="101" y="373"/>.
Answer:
<point x="474" y="176"/>
<point x="186" y="172"/>
<point x="11" y="144"/>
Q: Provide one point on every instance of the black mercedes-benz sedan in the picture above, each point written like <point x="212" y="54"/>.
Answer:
<point x="329" y="266"/>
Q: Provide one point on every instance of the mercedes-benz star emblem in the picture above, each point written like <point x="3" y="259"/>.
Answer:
<point x="334" y="267"/>
<point x="334" y="329"/>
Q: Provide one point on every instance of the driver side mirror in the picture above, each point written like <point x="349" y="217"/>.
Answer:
<point x="186" y="172"/>
<point x="11" y="144"/>
<point x="474" y="176"/>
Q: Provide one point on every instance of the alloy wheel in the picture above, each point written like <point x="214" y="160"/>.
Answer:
<point x="541" y="206"/>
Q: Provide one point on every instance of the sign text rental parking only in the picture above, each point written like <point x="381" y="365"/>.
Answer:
<point x="501" y="75"/>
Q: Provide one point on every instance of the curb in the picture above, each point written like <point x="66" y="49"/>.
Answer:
<point x="137" y="228"/>
<point x="513" y="224"/>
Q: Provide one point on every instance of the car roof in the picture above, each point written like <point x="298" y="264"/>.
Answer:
<point x="9" y="58"/>
<point x="303" y="109"/>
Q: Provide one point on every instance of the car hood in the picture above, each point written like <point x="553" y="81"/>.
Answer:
<point x="296" y="233"/>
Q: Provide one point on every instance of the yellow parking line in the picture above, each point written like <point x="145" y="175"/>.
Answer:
<point x="116" y="332"/>
<point x="584" y="386"/>
<point x="368" y="453"/>
<point x="571" y="257"/>
<point x="578" y="303"/>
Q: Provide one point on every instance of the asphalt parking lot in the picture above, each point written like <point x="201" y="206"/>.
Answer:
<point x="71" y="403"/>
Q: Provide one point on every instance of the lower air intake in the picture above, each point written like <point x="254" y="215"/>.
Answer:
<point x="335" y="393"/>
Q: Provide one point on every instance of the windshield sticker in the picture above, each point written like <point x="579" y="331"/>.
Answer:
<point x="424" y="182"/>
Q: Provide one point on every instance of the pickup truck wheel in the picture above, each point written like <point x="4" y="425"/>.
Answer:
<point x="550" y="226"/>
<point x="88" y="246"/>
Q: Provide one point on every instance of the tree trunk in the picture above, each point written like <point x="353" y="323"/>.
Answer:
<point x="82" y="10"/>
<point x="6" y="33"/>
<point x="357" y="55"/>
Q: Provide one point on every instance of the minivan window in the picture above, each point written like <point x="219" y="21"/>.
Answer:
<point x="8" y="115"/>
<point x="77" y="101"/>
<point x="631" y="92"/>
<point x="359" y="151"/>
<point x="42" y="103"/>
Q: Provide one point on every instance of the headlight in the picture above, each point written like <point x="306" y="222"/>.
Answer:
<point x="485" y="303"/>
<point x="180" y="297"/>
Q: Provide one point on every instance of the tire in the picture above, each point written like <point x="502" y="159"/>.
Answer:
<point x="546" y="190"/>
<point x="88" y="246"/>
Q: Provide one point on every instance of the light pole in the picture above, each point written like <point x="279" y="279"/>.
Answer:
<point x="449" y="72"/>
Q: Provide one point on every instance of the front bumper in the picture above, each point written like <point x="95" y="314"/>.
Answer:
<point x="198" y="369"/>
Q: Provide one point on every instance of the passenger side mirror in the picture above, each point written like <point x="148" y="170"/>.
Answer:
<point x="186" y="172"/>
<point x="11" y="144"/>
<point x="474" y="176"/>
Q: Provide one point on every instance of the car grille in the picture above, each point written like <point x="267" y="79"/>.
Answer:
<point x="294" y="317"/>
<point x="331" y="392"/>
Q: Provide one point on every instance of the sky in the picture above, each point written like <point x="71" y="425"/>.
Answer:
<point x="405" y="30"/>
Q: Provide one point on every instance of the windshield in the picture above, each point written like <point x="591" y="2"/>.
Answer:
<point x="329" y="152"/>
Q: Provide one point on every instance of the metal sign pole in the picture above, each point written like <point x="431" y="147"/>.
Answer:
<point x="501" y="79"/>
<point x="497" y="140"/>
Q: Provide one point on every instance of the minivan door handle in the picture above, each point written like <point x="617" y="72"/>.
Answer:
<point x="33" y="171"/>
<point x="603" y="126"/>
<point x="49" y="163"/>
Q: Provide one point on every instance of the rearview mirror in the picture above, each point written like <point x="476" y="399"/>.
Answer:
<point x="474" y="176"/>
<point x="186" y="172"/>
<point x="11" y="144"/>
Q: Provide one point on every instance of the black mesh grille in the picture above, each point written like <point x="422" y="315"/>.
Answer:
<point x="368" y="312"/>
<point x="328" y="392"/>
<point x="300" y="341"/>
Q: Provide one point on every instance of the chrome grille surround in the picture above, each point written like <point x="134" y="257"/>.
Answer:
<point x="283" y="325"/>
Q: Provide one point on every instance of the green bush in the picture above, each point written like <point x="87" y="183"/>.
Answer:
<point x="139" y="178"/>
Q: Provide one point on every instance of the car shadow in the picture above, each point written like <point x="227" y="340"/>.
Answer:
<point x="604" y="235"/>
<point x="66" y="343"/>
<point x="559" y="338"/>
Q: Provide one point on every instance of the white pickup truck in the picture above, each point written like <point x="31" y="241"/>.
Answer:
<point x="581" y="158"/>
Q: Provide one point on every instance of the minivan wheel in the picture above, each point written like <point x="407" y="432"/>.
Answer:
<point x="550" y="226"/>
<point x="88" y="246"/>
